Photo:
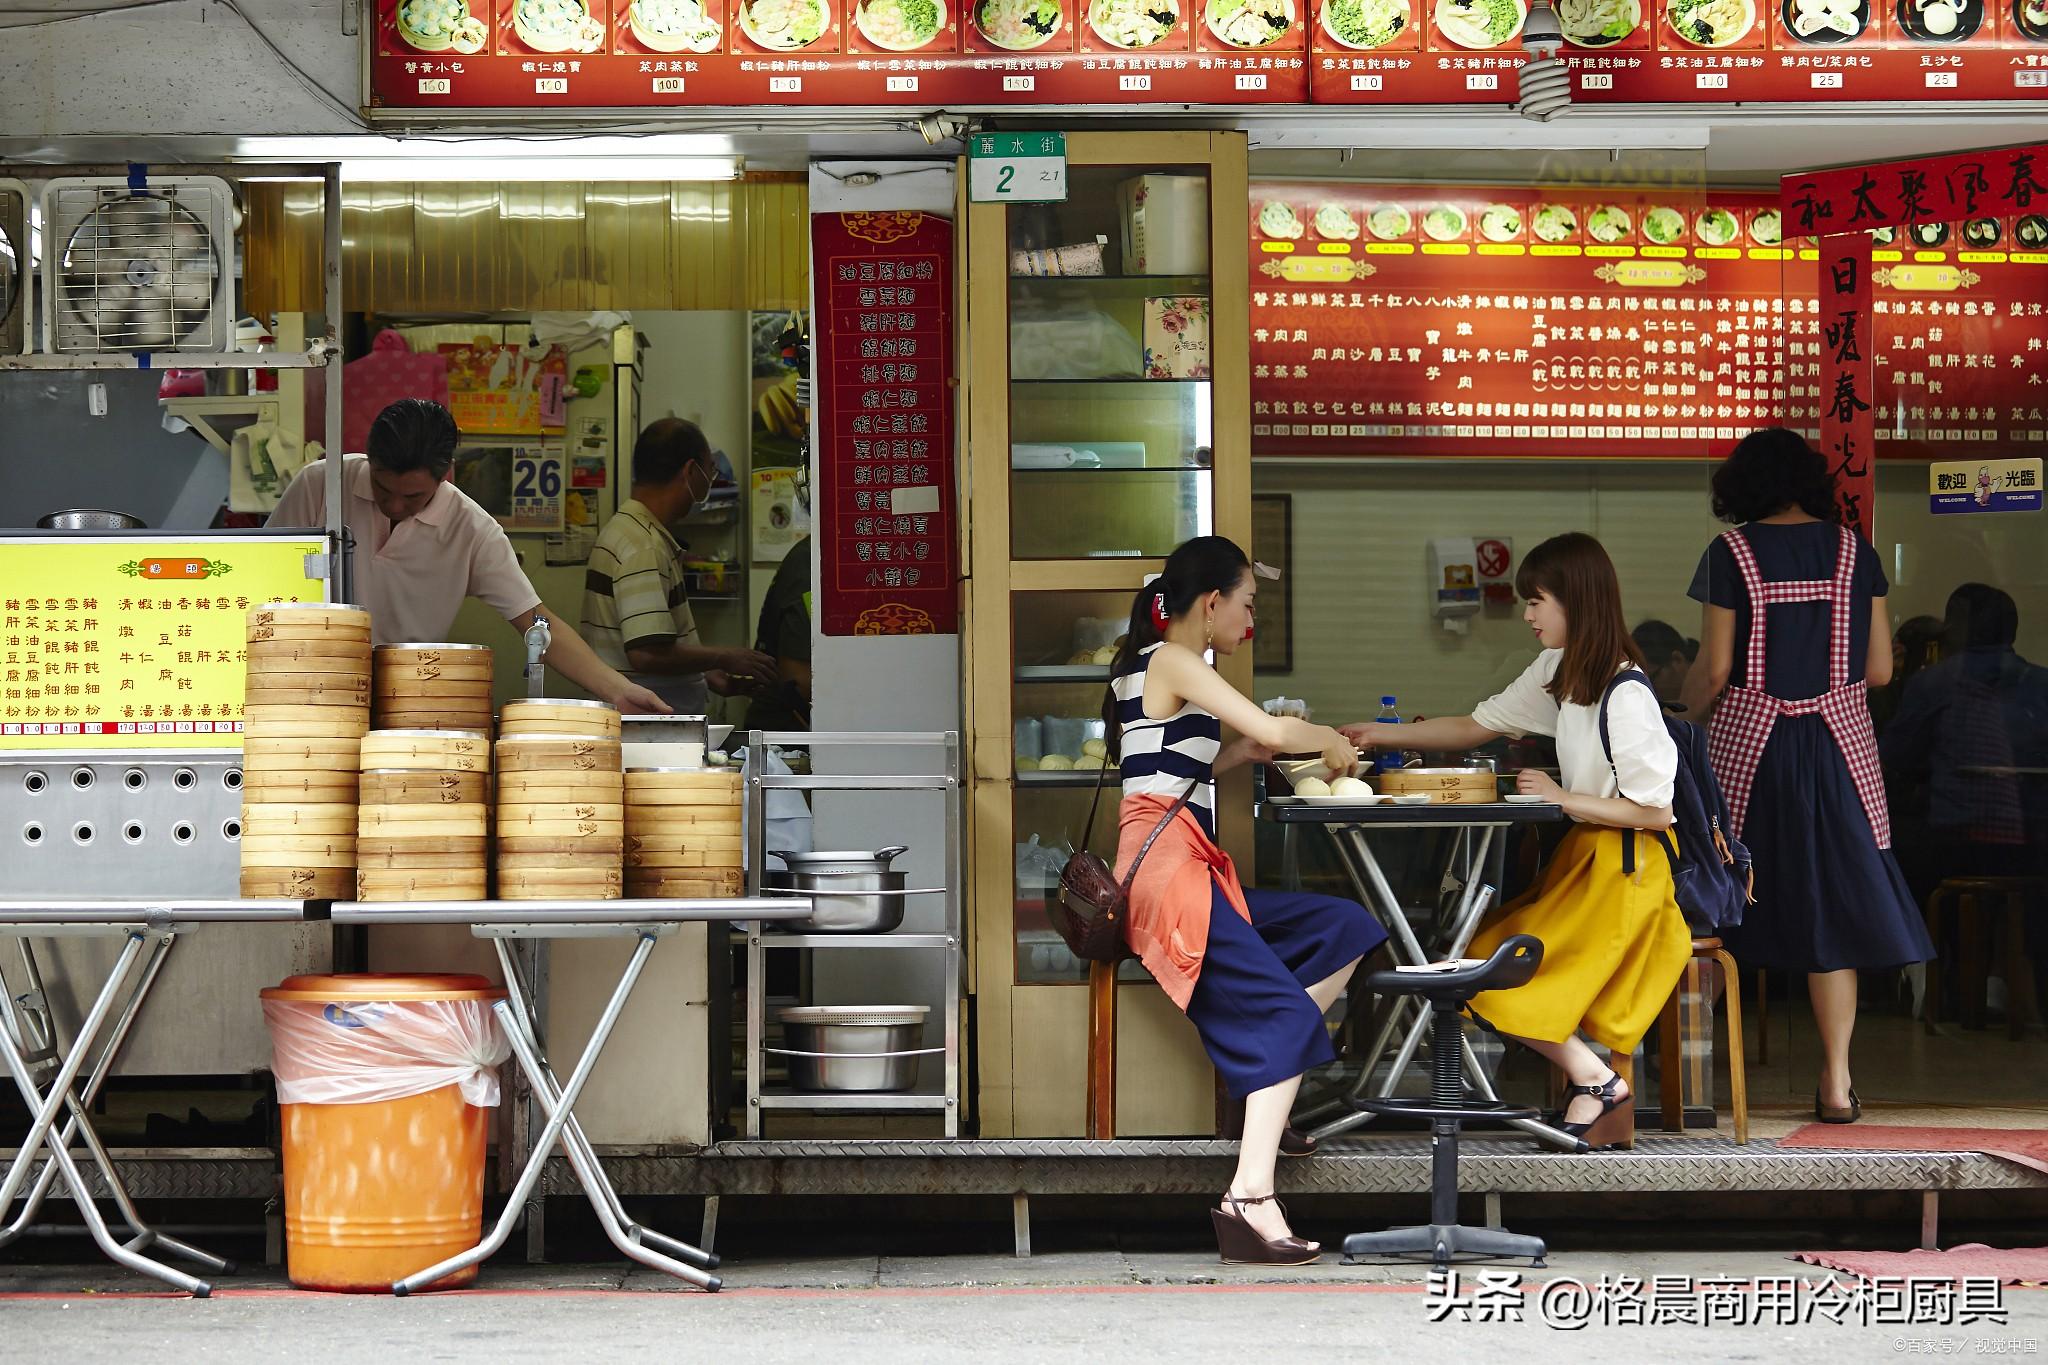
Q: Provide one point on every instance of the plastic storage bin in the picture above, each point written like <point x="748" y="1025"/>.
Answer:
<point x="386" y="1085"/>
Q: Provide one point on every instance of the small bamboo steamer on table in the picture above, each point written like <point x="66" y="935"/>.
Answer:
<point x="558" y="753"/>
<point x="560" y="716"/>
<point x="1443" y="786"/>
<point x="408" y="787"/>
<point x="428" y="750"/>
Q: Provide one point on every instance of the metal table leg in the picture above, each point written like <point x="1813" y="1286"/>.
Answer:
<point x="44" y="1105"/>
<point x="582" y="1156"/>
<point x="559" y="1104"/>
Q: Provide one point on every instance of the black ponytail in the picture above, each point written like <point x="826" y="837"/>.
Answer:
<point x="1197" y="568"/>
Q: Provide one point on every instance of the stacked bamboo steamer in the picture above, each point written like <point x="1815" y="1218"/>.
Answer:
<point x="305" y="710"/>
<point x="683" y="833"/>
<point x="560" y="716"/>
<point x="425" y="823"/>
<point x="561" y="813"/>
<point x="432" y="687"/>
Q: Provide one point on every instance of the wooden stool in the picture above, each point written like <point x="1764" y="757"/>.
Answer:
<point x="1967" y="899"/>
<point x="1671" y="1034"/>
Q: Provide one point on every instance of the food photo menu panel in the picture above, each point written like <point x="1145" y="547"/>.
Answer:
<point x="1685" y="51"/>
<point x="568" y="54"/>
<point x="1404" y="320"/>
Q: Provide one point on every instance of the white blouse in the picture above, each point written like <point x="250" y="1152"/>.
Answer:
<point x="1643" y="752"/>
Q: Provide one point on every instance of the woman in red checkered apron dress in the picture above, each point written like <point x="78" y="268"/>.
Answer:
<point x="1794" y="633"/>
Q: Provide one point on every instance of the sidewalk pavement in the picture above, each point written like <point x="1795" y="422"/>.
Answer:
<point x="1093" y="1306"/>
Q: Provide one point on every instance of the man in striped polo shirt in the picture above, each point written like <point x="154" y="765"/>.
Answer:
<point x="636" y="614"/>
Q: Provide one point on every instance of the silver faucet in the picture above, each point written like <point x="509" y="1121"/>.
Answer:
<point x="538" y="638"/>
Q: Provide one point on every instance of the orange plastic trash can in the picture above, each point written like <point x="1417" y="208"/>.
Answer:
<point x="385" y="1084"/>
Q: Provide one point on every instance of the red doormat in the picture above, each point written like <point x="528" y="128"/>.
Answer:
<point x="1972" y="1261"/>
<point x="2025" y="1146"/>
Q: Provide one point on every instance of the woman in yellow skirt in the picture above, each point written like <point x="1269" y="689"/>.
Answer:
<point x="1614" y="941"/>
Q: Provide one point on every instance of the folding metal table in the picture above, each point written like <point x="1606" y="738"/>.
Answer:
<point x="503" y="922"/>
<point x="1473" y="853"/>
<point x="29" y="1042"/>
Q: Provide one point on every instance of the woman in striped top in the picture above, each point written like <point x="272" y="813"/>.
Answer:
<point x="1253" y="970"/>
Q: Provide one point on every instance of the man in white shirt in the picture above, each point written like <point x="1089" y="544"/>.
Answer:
<point x="422" y="545"/>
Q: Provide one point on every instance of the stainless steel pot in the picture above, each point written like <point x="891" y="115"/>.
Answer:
<point x="851" y="893"/>
<point x="89" y="519"/>
<point x="853" y="1048"/>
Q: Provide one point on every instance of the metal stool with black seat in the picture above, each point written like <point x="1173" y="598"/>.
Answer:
<point x="1448" y="1107"/>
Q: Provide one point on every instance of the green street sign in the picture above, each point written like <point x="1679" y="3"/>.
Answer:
<point x="1017" y="168"/>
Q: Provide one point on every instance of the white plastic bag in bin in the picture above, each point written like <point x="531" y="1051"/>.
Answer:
<point x="363" y="1051"/>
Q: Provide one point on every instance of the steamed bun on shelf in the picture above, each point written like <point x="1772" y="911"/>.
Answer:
<point x="1350" y="786"/>
<point x="1055" y="763"/>
<point x="1095" y="748"/>
<point x="1106" y="655"/>
<point x="1089" y="761"/>
<point x="1312" y="786"/>
<point x="1026" y="763"/>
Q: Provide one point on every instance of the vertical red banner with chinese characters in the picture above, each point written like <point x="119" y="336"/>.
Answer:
<point x="882" y="343"/>
<point x="1848" y="432"/>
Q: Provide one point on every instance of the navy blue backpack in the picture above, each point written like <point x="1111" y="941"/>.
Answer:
<point x="1713" y="886"/>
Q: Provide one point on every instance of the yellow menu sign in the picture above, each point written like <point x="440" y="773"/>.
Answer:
<point x="136" y="642"/>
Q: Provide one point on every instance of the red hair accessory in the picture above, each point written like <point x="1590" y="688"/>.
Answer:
<point x="1159" y="609"/>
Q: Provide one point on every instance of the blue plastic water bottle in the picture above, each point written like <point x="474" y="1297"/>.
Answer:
<point x="1389" y="759"/>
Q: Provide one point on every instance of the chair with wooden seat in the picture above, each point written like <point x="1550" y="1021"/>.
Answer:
<point x="1685" y="1014"/>
<point x="1969" y="901"/>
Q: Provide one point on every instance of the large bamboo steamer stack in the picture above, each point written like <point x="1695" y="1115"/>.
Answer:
<point x="432" y="687"/>
<point x="561" y="817"/>
<point x="683" y="833"/>
<point x="306" y="706"/>
<point x="425" y="828"/>
<point x="559" y="716"/>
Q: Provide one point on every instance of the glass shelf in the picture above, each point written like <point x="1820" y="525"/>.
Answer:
<point x="1063" y="673"/>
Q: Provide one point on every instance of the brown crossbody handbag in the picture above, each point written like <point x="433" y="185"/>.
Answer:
<point x="1089" y="913"/>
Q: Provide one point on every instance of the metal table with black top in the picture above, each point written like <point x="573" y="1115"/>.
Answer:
<point x="1474" y="856"/>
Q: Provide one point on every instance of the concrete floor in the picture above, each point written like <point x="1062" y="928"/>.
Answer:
<point x="1079" y="1306"/>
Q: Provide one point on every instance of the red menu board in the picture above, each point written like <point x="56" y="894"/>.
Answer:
<point x="1685" y="51"/>
<point x="1392" y="320"/>
<point x="568" y="54"/>
<point x="883" y="349"/>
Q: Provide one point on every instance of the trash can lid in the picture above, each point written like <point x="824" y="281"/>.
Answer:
<point x="325" y="986"/>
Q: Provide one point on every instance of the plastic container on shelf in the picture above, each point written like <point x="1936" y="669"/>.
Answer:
<point x="385" y="1084"/>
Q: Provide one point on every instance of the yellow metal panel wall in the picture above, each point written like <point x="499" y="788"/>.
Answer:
<point x="485" y="248"/>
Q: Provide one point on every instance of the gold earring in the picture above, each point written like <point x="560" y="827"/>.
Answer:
<point x="1208" y="632"/>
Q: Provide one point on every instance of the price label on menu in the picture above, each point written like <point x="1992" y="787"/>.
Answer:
<point x="1018" y="168"/>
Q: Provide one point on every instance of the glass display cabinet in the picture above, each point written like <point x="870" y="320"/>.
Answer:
<point x="1109" y="420"/>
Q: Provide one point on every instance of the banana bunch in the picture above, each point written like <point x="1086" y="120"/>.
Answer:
<point x="779" y="411"/>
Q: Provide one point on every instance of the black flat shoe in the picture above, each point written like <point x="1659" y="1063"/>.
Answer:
<point x="1828" y="1115"/>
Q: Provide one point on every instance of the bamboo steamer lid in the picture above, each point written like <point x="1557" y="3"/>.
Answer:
<point x="428" y="750"/>
<point x="1443" y="786"/>
<point x="421" y="885"/>
<point x="297" y="884"/>
<point x="475" y="658"/>
<point x="393" y="860"/>
<point x="407" y="787"/>
<point x="560" y="715"/>
<point x="342" y="615"/>
<point x="542" y="852"/>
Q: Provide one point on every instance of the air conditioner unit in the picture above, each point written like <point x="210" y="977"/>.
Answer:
<point x="16" y="267"/>
<point x="138" y="267"/>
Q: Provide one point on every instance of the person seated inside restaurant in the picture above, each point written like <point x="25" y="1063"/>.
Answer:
<point x="422" y="546"/>
<point x="783" y="633"/>
<point x="1614" y="940"/>
<point x="635" y="605"/>
<point x="1667" y="658"/>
